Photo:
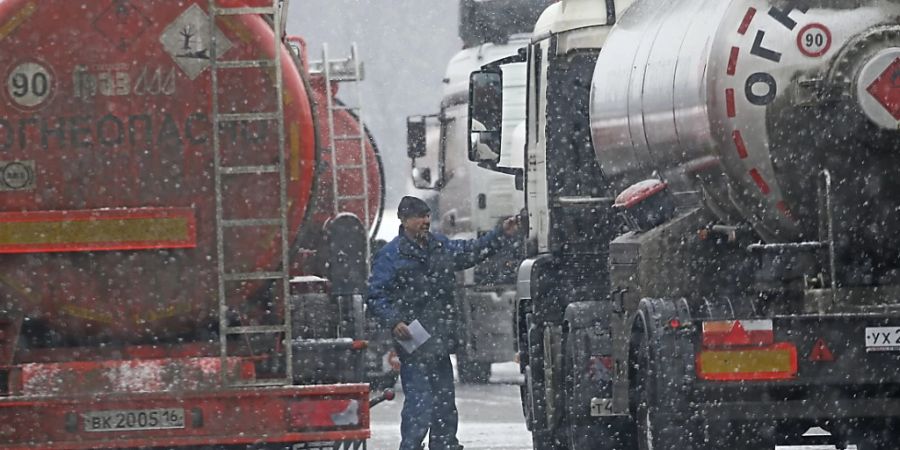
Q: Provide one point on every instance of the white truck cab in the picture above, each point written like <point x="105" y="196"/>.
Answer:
<point x="570" y="219"/>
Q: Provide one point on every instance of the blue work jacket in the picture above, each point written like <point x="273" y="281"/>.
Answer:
<point x="414" y="282"/>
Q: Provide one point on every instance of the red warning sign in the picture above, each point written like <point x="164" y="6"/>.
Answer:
<point x="886" y="89"/>
<point x="121" y="23"/>
<point x="821" y="352"/>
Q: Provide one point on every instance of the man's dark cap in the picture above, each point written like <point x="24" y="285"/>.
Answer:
<point x="412" y="207"/>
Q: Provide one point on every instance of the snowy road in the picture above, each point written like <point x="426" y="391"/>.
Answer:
<point x="490" y="417"/>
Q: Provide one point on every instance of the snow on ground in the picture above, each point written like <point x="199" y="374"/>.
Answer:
<point x="490" y="416"/>
<point x="488" y="420"/>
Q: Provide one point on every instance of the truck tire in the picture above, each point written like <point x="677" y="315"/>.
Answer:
<point x="659" y="426"/>
<point x="541" y="438"/>
<point x="544" y="436"/>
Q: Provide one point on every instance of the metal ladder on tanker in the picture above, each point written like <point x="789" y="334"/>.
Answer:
<point x="277" y="11"/>
<point x="348" y="70"/>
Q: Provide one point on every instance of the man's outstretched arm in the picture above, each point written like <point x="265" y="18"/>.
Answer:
<point x="467" y="253"/>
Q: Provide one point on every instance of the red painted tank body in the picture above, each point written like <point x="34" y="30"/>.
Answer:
<point x="350" y="179"/>
<point x="105" y="115"/>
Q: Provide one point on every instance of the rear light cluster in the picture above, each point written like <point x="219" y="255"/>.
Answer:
<point x="735" y="350"/>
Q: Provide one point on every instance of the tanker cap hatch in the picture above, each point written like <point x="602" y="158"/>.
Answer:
<point x="645" y="204"/>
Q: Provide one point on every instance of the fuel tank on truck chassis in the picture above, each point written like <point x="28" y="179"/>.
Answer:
<point x="330" y="254"/>
<point x="758" y="102"/>
<point x="109" y="206"/>
<point x="349" y="141"/>
<point x="350" y="178"/>
<point x="118" y="217"/>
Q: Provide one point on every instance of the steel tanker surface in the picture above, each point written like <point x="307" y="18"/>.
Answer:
<point x="108" y="180"/>
<point x="723" y="270"/>
<point x="760" y="101"/>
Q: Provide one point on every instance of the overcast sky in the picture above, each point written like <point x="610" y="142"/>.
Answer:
<point x="405" y="45"/>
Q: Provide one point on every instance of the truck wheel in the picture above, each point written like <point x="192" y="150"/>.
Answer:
<point x="542" y="439"/>
<point x="525" y="400"/>
<point x="472" y="372"/>
<point x="659" y="425"/>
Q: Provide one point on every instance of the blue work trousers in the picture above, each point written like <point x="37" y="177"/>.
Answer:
<point x="430" y="404"/>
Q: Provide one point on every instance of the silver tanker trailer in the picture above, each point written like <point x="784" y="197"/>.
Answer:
<point x="750" y="288"/>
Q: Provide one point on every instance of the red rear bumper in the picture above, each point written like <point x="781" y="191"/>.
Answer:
<point x="242" y="416"/>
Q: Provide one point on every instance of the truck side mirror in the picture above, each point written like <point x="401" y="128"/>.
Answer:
<point x="415" y="136"/>
<point x="485" y="117"/>
<point x="423" y="146"/>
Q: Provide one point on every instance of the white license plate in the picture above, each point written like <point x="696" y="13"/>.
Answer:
<point x="601" y="406"/>
<point x="134" y="419"/>
<point x="882" y="339"/>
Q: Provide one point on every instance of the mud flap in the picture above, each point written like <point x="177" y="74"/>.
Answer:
<point x="669" y="373"/>
<point x="588" y="349"/>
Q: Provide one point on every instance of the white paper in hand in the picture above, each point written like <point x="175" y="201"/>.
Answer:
<point x="419" y="336"/>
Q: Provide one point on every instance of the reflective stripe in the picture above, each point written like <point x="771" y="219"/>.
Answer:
<point x="97" y="230"/>
<point x="770" y="363"/>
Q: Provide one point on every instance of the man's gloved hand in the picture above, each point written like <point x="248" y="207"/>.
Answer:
<point x="401" y="331"/>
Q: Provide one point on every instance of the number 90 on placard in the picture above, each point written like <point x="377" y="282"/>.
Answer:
<point x="29" y="84"/>
<point x="814" y="40"/>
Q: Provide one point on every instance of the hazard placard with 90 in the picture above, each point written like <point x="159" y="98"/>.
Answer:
<point x="29" y="84"/>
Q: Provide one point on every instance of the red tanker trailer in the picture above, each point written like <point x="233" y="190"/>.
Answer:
<point x="163" y="243"/>
<point x="330" y="243"/>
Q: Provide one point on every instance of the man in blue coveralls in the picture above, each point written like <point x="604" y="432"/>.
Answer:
<point x="413" y="278"/>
